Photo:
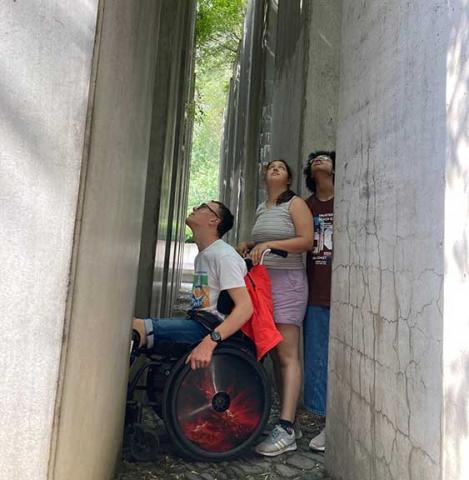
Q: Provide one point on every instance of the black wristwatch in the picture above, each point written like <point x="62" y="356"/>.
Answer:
<point x="215" y="336"/>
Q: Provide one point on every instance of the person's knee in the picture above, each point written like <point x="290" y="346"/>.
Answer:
<point x="138" y="325"/>
<point x="288" y="359"/>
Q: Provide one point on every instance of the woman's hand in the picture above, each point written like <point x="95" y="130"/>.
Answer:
<point x="243" y="248"/>
<point x="257" y="251"/>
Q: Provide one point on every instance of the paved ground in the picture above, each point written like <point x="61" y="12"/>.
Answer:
<point x="301" y="464"/>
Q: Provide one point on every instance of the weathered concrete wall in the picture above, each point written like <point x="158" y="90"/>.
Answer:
<point x="239" y="166"/>
<point x="321" y="70"/>
<point x="390" y="398"/>
<point x="46" y="51"/>
<point x="305" y="81"/>
<point x="90" y="406"/>
<point x="76" y="101"/>
<point x="169" y="159"/>
<point x="284" y="107"/>
<point x="398" y="398"/>
<point x="289" y="84"/>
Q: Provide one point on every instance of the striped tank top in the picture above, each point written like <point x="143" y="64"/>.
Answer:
<point x="275" y="223"/>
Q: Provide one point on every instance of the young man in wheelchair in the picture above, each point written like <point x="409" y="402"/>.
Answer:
<point x="217" y="267"/>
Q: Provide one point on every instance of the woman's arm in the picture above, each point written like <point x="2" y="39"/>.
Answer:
<point x="302" y="242"/>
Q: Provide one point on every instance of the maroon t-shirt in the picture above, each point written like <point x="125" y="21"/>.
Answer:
<point x="319" y="259"/>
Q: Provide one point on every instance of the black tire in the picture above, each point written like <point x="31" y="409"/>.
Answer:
<point x="216" y="413"/>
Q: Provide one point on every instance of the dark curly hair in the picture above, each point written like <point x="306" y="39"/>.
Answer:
<point x="310" y="183"/>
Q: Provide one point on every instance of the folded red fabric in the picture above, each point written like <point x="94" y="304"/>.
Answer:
<point x="261" y="328"/>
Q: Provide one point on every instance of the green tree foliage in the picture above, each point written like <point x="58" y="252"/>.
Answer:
<point x="219" y="28"/>
<point x="218" y="31"/>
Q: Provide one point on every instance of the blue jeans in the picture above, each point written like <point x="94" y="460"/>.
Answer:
<point x="180" y="330"/>
<point x="316" y="347"/>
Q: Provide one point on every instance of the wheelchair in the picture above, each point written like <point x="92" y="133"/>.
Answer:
<point x="210" y="414"/>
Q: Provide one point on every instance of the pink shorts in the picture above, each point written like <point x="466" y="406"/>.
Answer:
<point x="289" y="295"/>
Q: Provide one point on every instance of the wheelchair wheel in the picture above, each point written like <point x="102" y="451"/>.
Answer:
<point x="215" y="413"/>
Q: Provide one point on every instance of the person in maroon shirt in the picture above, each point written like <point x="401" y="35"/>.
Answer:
<point x="319" y="176"/>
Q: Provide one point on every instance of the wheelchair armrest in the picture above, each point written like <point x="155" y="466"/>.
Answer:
<point x="208" y="320"/>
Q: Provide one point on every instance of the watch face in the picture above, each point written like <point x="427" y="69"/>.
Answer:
<point x="215" y="336"/>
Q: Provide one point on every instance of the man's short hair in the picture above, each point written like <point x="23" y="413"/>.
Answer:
<point x="226" y="219"/>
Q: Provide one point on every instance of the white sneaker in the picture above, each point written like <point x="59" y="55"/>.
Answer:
<point x="318" y="443"/>
<point x="296" y="427"/>
<point x="279" y="441"/>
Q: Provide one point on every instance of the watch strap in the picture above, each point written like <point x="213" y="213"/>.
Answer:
<point x="215" y="336"/>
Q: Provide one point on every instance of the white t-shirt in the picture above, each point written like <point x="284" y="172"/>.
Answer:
<point x="217" y="267"/>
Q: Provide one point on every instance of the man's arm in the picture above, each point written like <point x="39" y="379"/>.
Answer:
<point x="242" y="311"/>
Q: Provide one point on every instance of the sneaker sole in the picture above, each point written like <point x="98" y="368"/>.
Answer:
<point x="317" y="449"/>
<point x="288" y="448"/>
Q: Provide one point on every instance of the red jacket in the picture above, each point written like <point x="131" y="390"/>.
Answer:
<point x="261" y="328"/>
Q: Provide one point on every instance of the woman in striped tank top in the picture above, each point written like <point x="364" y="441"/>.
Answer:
<point x="283" y="221"/>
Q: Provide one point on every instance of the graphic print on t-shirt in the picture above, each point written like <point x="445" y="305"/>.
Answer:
<point x="200" y="291"/>
<point x="323" y="237"/>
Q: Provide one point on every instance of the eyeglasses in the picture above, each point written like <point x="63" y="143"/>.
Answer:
<point x="323" y="158"/>
<point x="204" y="205"/>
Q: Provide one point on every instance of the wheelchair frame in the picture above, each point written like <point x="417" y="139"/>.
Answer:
<point x="143" y="443"/>
<point x="163" y="371"/>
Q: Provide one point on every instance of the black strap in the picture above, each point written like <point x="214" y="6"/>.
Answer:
<point x="208" y="320"/>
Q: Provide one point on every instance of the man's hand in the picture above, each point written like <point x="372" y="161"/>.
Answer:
<point x="202" y="354"/>
<point x="243" y="248"/>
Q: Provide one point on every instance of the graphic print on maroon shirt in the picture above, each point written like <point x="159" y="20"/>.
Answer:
<point x="323" y="232"/>
<point x="319" y="259"/>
